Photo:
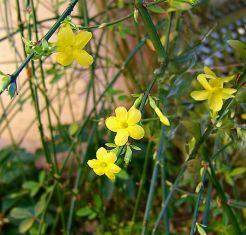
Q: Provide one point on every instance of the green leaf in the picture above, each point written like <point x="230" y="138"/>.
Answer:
<point x="84" y="212"/>
<point x="198" y="187"/>
<point x="32" y="186"/>
<point x="237" y="171"/>
<point x="128" y="155"/>
<point x="4" y="82"/>
<point x="45" y="44"/>
<point x="182" y="5"/>
<point x="40" y="206"/>
<point x="92" y="215"/>
<point x="26" y="225"/>
<point x="200" y="229"/>
<point x="123" y="175"/>
<point x="135" y="147"/>
<point x="20" y="213"/>
<point x="41" y="177"/>
<point x="157" y="9"/>
<point x="73" y="128"/>
<point x="12" y="89"/>
<point x="98" y="201"/>
<point x="111" y="145"/>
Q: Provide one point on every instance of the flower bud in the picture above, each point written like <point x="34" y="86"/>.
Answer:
<point x="158" y="112"/>
<point x="162" y="117"/>
<point x="138" y="101"/>
<point x="4" y="82"/>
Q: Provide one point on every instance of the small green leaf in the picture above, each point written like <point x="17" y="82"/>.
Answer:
<point x="92" y="215"/>
<point x="200" y="229"/>
<point x="20" y="213"/>
<point x="12" y="89"/>
<point x="111" y="145"/>
<point x="123" y="175"/>
<point x="84" y="212"/>
<point x="32" y="186"/>
<point x="41" y="177"/>
<point x="156" y="9"/>
<point x="26" y="225"/>
<point x="40" y="206"/>
<point x="128" y="155"/>
<point x="182" y="5"/>
<point x="136" y="15"/>
<point x="4" y="82"/>
<point x="45" y="45"/>
<point x="98" y="201"/>
<point x="237" y="171"/>
<point x="135" y="147"/>
<point x="73" y="128"/>
<point x="198" y="187"/>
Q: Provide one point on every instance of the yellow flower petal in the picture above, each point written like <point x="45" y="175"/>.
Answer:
<point x="216" y="83"/>
<point x="228" y="78"/>
<point x="121" y="114"/>
<point x="65" y="36"/>
<point x="113" y="124"/>
<point x="200" y="95"/>
<point x="136" y="132"/>
<point x="110" y="175"/>
<point x="101" y="153"/>
<point x="64" y="59"/>
<point x="99" y="171"/>
<point x="229" y="91"/>
<point x="215" y="102"/>
<point x="134" y="116"/>
<point x="208" y="71"/>
<point x="203" y="81"/>
<point x="93" y="163"/>
<point x="110" y="157"/>
<point x="114" y="168"/>
<point x="83" y="58"/>
<point x="82" y="38"/>
<point x="121" y="138"/>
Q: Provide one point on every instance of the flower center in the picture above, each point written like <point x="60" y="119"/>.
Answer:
<point x="124" y="124"/>
<point x="69" y="48"/>
<point x="103" y="164"/>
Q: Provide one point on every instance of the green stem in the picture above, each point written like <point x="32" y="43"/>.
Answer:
<point x="198" y="201"/>
<point x="77" y="182"/>
<point x="141" y="187"/>
<point x="153" y="182"/>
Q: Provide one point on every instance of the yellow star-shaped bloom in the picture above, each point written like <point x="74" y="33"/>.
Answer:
<point x="70" y="47"/>
<point x="214" y="90"/>
<point x="125" y="125"/>
<point x="105" y="163"/>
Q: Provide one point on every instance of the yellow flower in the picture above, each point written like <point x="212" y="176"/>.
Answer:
<point x="162" y="117"/>
<point x="105" y="163"/>
<point x="125" y="124"/>
<point x="70" y="45"/>
<point x="243" y="116"/>
<point x="213" y="91"/>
